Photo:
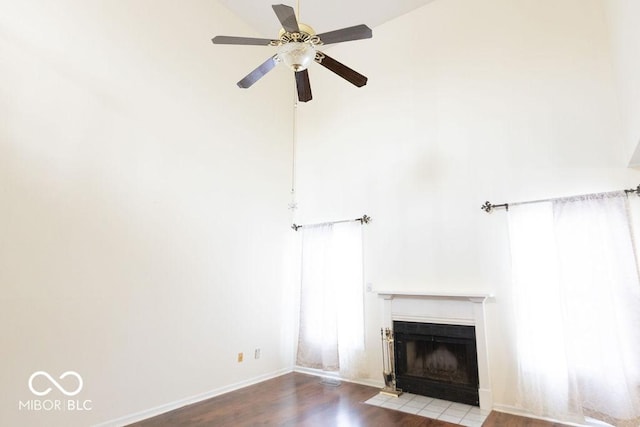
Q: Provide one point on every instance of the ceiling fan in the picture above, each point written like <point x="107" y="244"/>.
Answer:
<point x="297" y="45"/>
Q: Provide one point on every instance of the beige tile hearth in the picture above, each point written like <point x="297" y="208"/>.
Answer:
<point x="458" y="413"/>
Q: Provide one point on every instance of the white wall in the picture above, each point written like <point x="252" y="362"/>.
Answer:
<point x="143" y="196"/>
<point x="143" y="205"/>
<point x="625" y="48"/>
<point x="467" y="101"/>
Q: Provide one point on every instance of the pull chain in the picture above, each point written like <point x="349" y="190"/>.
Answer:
<point x="293" y="205"/>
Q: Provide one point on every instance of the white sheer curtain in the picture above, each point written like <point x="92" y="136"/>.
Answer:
<point x="331" y="334"/>
<point x="577" y="309"/>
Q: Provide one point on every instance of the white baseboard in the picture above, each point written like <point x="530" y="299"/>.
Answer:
<point x="520" y="412"/>
<point x="325" y="374"/>
<point x="158" y="410"/>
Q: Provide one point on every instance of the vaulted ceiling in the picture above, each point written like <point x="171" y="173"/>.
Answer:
<point x="325" y="15"/>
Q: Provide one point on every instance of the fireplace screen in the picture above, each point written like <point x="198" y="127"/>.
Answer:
<point x="437" y="360"/>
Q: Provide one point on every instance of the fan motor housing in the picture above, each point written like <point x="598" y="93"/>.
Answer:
<point x="304" y="28"/>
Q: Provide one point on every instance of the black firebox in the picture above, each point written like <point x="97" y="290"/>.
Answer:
<point x="437" y="360"/>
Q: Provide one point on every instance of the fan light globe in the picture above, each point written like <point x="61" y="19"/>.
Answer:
<point x="297" y="55"/>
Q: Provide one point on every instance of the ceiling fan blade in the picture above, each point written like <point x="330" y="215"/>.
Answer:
<point x="340" y="69"/>
<point x="356" y="32"/>
<point x="287" y="17"/>
<point x="304" y="85"/>
<point x="258" y="73"/>
<point x="240" y="40"/>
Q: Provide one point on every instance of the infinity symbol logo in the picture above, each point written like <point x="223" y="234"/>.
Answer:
<point x="55" y="383"/>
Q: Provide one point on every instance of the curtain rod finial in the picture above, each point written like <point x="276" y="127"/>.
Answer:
<point x="633" y="190"/>
<point x="488" y="207"/>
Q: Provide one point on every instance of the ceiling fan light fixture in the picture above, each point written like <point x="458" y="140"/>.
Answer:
<point x="297" y="55"/>
<point x="297" y="44"/>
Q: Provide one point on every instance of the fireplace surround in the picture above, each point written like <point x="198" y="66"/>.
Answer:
<point x="443" y="310"/>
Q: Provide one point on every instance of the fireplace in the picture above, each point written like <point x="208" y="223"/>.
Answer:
<point x="437" y="360"/>
<point x="450" y="310"/>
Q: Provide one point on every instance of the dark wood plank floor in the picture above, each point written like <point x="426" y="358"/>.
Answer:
<point x="499" y="419"/>
<point x="302" y="400"/>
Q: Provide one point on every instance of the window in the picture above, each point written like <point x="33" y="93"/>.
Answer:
<point x="331" y="333"/>
<point x="577" y="309"/>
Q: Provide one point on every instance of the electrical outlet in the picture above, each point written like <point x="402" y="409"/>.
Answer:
<point x="240" y="357"/>
<point x="256" y="354"/>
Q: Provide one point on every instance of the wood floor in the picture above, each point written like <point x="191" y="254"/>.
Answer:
<point x="302" y="400"/>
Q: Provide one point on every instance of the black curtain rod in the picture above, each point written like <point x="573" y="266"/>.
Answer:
<point x="365" y="219"/>
<point x="488" y="207"/>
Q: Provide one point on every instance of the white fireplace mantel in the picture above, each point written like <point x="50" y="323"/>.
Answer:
<point x="473" y="297"/>
<point x="453" y="308"/>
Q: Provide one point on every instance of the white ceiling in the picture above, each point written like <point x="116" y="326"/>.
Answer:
<point x="322" y="15"/>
